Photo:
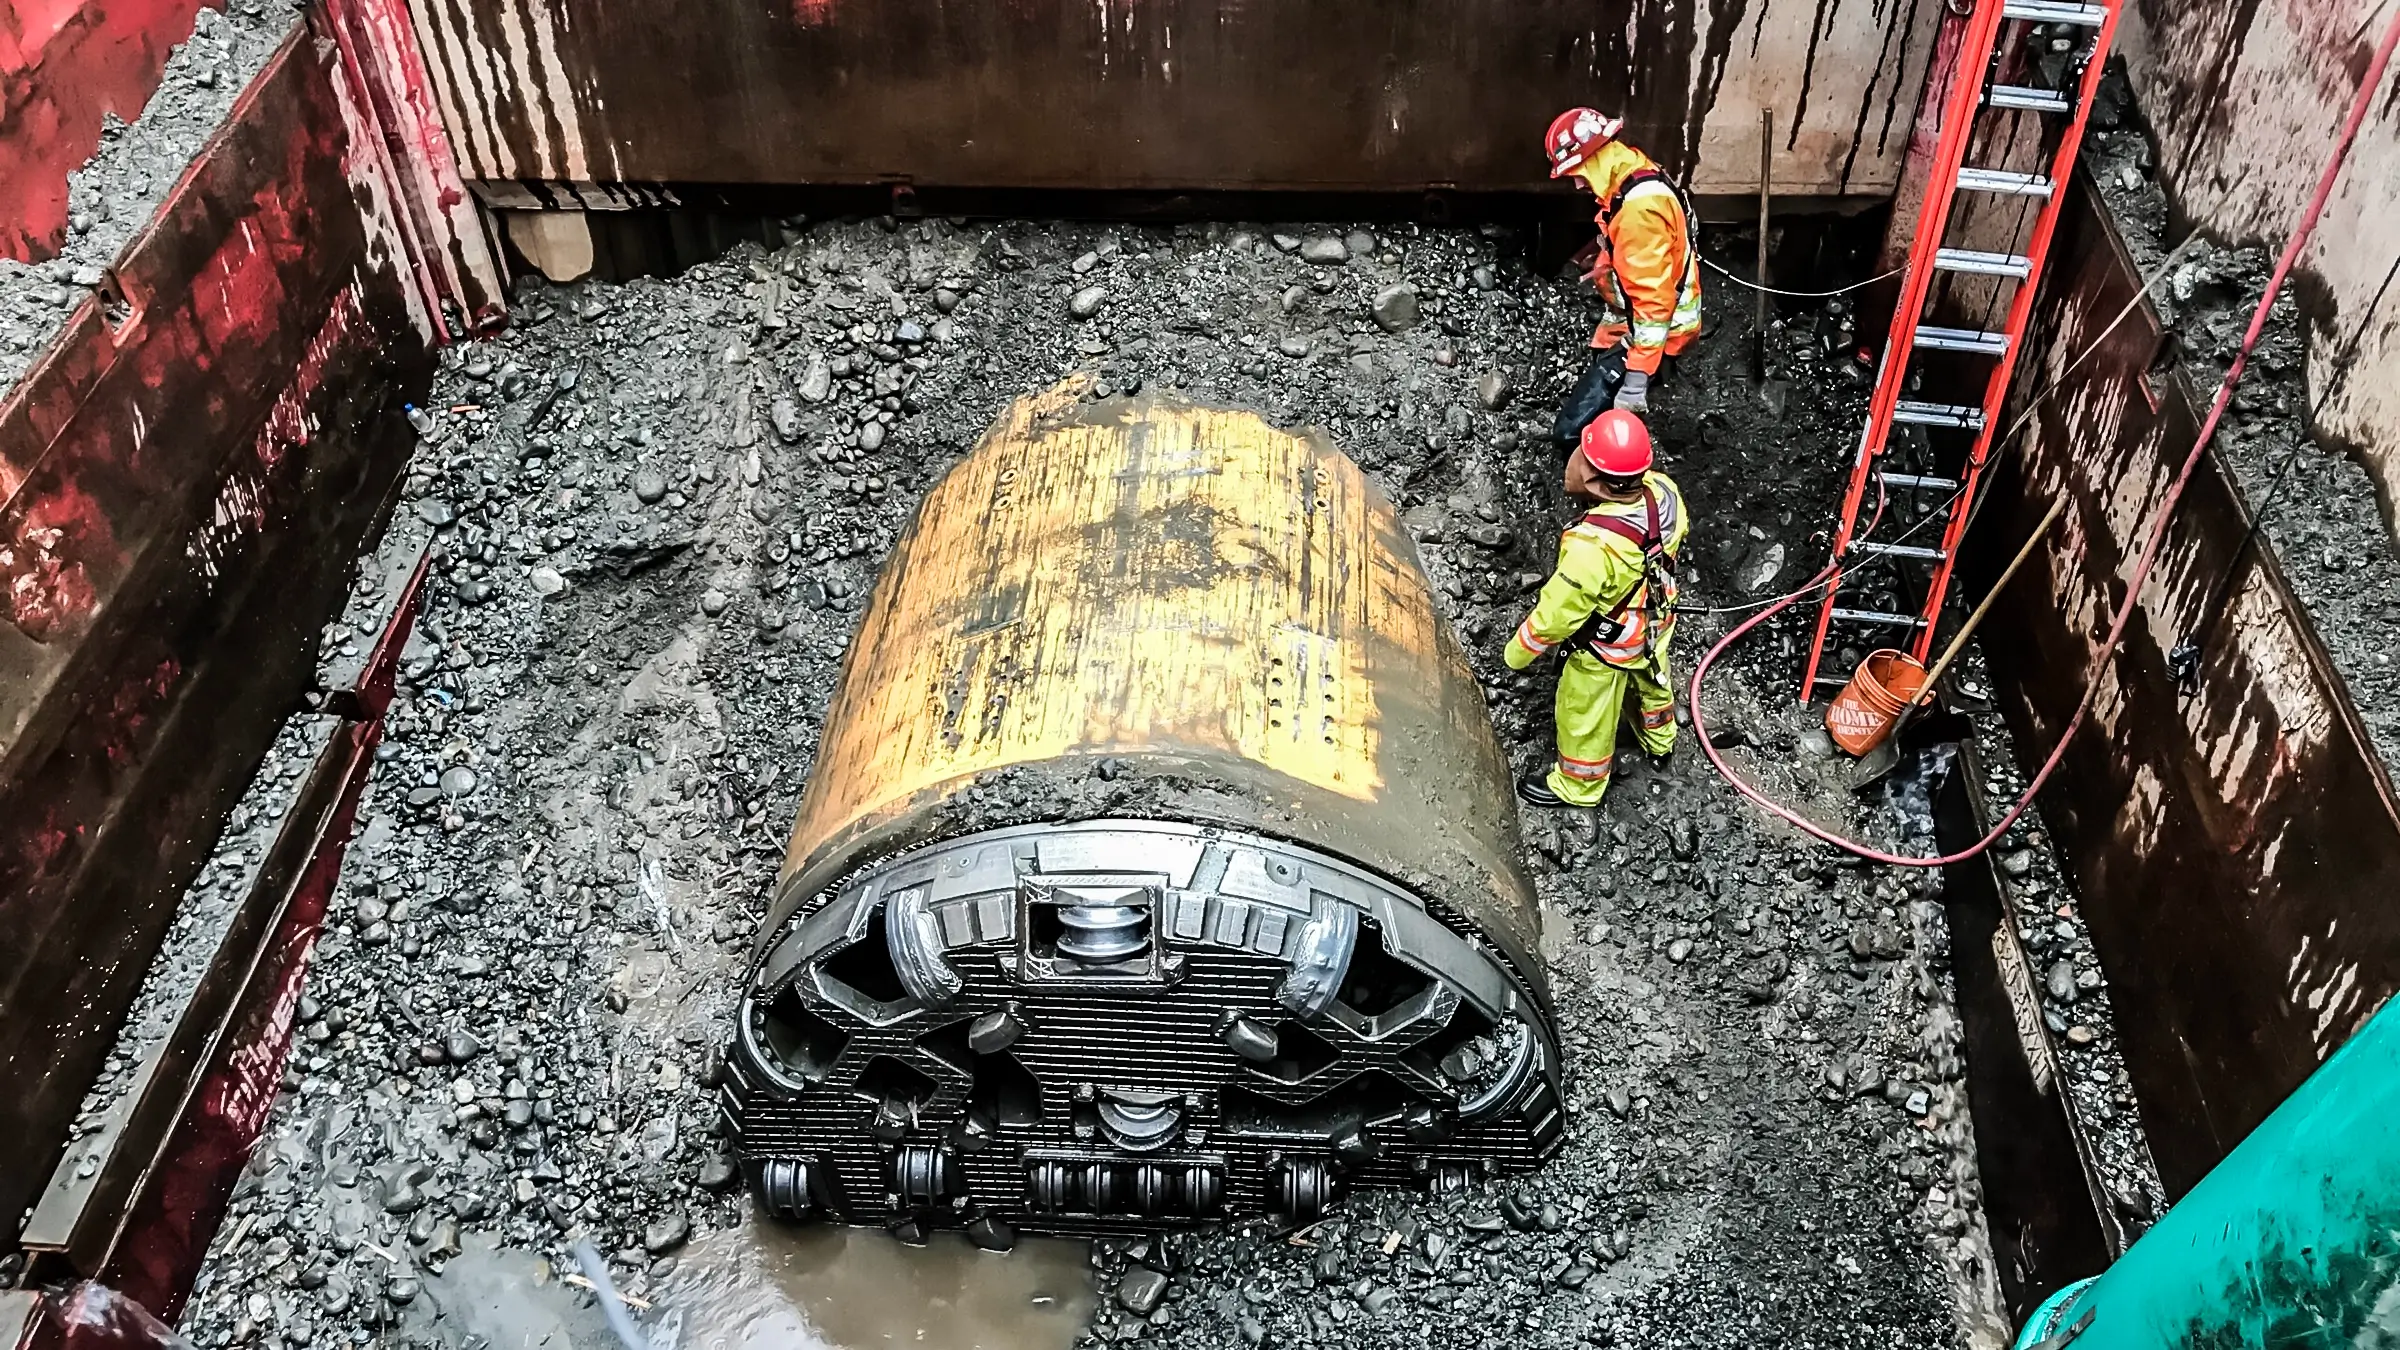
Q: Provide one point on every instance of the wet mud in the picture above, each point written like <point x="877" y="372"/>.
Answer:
<point x="764" y="1286"/>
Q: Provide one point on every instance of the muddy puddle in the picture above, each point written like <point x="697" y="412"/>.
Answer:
<point x="764" y="1287"/>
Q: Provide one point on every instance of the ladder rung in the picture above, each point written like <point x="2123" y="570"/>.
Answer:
<point x="1831" y="679"/>
<point x="1879" y="616"/>
<point x="1924" y="482"/>
<point x="1898" y="550"/>
<point x="2003" y="181"/>
<point x="2054" y="11"/>
<point x="1981" y="263"/>
<point x="1938" y="414"/>
<point x="1962" y="340"/>
<point x="2022" y="98"/>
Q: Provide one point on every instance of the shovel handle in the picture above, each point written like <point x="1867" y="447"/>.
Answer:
<point x="1967" y="630"/>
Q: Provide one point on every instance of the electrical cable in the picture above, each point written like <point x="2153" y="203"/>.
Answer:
<point x="2042" y="395"/>
<point x="1739" y="280"/>
<point x="1810" y="588"/>
<point x="2186" y="653"/>
<point x="2033" y="404"/>
<point x="2148" y="559"/>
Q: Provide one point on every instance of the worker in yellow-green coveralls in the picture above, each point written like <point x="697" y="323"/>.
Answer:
<point x="1611" y="605"/>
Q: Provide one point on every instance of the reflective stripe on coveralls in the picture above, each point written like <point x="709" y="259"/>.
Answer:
<point x="1598" y="570"/>
<point x="1590" y="771"/>
<point x="1649" y="273"/>
<point x="1591" y="707"/>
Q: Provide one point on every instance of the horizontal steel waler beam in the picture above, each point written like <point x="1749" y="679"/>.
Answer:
<point x="129" y="1201"/>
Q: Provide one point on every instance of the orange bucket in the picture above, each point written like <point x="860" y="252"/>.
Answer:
<point x="1861" y="715"/>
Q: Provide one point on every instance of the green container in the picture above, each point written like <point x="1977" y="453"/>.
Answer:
<point x="2292" y="1241"/>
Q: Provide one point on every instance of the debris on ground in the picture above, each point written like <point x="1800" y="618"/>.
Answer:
<point x="2069" y="984"/>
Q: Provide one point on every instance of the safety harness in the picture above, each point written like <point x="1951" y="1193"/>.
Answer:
<point x="1687" y="295"/>
<point x="1639" y="177"/>
<point x="1606" y="636"/>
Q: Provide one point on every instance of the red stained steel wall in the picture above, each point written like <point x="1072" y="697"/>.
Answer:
<point x="1164" y="94"/>
<point x="2246" y="100"/>
<point x="182" y="487"/>
<point x="176" y="1209"/>
<point x="64" y="64"/>
<point x="2237" y="850"/>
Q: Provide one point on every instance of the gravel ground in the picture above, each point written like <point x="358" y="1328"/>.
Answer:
<point x="2322" y="520"/>
<point x="117" y="190"/>
<point x="659" y="507"/>
<point x="2068" y="981"/>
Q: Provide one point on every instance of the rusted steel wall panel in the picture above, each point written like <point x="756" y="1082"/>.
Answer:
<point x="2236" y="850"/>
<point x="1171" y="94"/>
<point x="161" y="583"/>
<point x="2247" y="100"/>
<point x="163" y="1234"/>
<point x="65" y="65"/>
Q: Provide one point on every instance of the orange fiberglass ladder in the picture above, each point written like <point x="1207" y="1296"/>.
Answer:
<point x="2080" y="34"/>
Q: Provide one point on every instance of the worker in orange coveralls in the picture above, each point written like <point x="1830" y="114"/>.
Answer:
<point x="1610" y="604"/>
<point x="1648" y="272"/>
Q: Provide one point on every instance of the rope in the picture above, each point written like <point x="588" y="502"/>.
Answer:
<point x="2150" y="548"/>
<point x="1738" y="279"/>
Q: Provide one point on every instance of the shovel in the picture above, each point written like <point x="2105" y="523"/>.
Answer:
<point x="1878" y="763"/>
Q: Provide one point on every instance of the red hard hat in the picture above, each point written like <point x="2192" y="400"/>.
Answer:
<point x="1575" y="134"/>
<point x="1617" y="444"/>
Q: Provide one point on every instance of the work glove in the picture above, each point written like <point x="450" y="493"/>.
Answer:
<point x="1633" y="394"/>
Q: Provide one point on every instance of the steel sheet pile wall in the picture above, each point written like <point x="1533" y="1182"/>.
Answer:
<point x="65" y="65"/>
<point x="454" y="259"/>
<point x="2246" y="99"/>
<point x="183" y="481"/>
<point x="1166" y="94"/>
<point x="2236" y="850"/>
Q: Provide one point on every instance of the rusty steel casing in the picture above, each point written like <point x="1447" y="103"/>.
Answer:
<point x="1151" y="725"/>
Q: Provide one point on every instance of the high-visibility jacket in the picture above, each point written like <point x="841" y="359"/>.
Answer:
<point x="1605" y="580"/>
<point x="1649" y="269"/>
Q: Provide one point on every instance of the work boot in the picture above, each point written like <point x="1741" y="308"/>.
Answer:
<point x="1534" y="790"/>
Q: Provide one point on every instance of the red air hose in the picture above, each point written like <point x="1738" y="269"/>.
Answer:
<point x="2141" y="571"/>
